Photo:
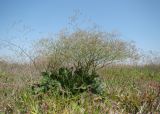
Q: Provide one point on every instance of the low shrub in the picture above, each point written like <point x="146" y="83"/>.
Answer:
<point x="67" y="81"/>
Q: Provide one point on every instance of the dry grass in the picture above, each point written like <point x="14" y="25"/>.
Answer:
<point x="130" y="89"/>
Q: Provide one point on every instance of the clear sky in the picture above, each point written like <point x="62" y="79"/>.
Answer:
<point x="137" y="20"/>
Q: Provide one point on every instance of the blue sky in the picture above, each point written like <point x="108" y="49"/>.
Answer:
<point x="137" y="20"/>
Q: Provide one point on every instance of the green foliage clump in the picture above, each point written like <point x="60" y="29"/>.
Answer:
<point x="67" y="81"/>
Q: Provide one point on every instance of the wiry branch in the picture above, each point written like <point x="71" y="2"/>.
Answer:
<point x="23" y="51"/>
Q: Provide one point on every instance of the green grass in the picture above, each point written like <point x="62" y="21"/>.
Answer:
<point x="129" y="89"/>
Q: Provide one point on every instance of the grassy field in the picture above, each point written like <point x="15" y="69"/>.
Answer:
<point x="129" y="89"/>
